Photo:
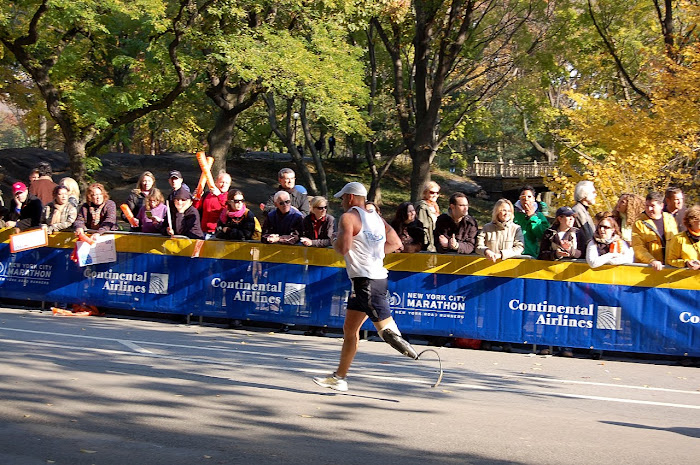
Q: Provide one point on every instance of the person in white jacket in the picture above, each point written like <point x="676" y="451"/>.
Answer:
<point x="607" y="246"/>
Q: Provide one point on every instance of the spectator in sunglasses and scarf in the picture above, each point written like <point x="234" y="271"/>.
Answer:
<point x="318" y="226"/>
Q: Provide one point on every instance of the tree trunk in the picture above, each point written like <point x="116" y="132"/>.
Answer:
<point x="421" y="171"/>
<point x="220" y="138"/>
<point x="43" y="126"/>
<point x="76" y="160"/>
<point x="315" y="154"/>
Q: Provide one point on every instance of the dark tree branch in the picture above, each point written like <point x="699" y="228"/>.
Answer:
<point x="613" y="54"/>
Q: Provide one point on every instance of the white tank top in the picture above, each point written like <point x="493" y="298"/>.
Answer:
<point x="365" y="259"/>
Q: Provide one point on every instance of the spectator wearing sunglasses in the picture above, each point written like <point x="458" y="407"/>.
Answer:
<point x="607" y="246"/>
<point x="318" y="226"/>
<point x="283" y="224"/>
<point x="427" y="212"/>
<point x="236" y="221"/>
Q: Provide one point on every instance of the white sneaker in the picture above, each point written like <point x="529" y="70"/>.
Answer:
<point x="333" y="382"/>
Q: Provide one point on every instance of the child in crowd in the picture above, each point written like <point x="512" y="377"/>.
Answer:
<point x="152" y="213"/>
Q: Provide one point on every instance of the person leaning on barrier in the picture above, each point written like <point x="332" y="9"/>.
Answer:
<point x="626" y="212"/>
<point x="456" y="230"/>
<point x="318" y="227"/>
<point x="287" y="179"/>
<point x="236" y="221"/>
<point x="59" y="214"/>
<point x="652" y="232"/>
<point x="674" y="204"/>
<point x="585" y="195"/>
<point x="409" y="229"/>
<point x="283" y="224"/>
<point x="532" y="222"/>
<point x="43" y="186"/>
<point x="427" y="212"/>
<point x="98" y="213"/>
<point x="684" y="249"/>
<point x="607" y="246"/>
<point x="24" y="211"/>
<point x="185" y="218"/>
<point x="137" y="196"/>
<point x="562" y="240"/>
<point x="501" y="238"/>
<point x="153" y="212"/>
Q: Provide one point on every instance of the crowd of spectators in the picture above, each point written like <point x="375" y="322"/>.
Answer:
<point x="656" y="231"/>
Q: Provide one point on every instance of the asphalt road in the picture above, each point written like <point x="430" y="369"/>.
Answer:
<point x="129" y="391"/>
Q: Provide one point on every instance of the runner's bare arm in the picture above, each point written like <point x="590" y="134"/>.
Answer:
<point x="347" y="229"/>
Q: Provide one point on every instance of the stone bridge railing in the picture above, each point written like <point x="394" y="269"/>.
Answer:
<point x="501" y="169"/>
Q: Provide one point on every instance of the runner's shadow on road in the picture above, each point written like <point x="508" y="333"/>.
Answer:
<point x="685" y="431"/>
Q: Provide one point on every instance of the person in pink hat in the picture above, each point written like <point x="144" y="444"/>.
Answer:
<point x="24" y="210"/>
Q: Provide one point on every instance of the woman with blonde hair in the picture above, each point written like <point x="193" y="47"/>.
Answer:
<point x="73" y="190"/>
<point x="501" y="238"/>
<point x="318" y="226"/>
<point x="427" y="212"/>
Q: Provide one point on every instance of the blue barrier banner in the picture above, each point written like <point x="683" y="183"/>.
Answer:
<point x="623" y="308"/>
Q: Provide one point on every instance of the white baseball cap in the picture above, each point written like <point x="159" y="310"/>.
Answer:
<point x="354" y="188"/>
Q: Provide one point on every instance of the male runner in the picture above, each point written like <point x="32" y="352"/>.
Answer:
<point x="364" y="238"/>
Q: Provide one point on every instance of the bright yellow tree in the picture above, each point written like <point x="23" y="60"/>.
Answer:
<point x="646" y="136"/>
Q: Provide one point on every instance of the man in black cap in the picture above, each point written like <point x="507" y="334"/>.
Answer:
<point x="185" y="217"/>
<point x="177" y="184"/>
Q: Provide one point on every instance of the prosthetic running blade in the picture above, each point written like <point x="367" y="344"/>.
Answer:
<point x="402" y="345"/>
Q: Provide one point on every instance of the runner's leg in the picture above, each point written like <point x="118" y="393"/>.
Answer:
<point x="351" y="339"/>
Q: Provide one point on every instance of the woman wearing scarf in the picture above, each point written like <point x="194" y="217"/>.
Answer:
<point x="607" y="247"/>
<point x="409" y="229"/>
<point x="427" y="212"/>
<point x="684" y="249"/>
<point x="501" y="238"/>
<point x="236" y="222"/>
<point x="59" y="214"/>
<point x="318" y="226"/>
<point x="98" y="213"/>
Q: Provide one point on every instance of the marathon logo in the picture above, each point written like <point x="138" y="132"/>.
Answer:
<point x="428" y="305"/>
<point x="27" y="273"/>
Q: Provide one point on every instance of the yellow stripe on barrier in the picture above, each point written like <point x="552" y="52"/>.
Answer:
<point x="416" y="263"/>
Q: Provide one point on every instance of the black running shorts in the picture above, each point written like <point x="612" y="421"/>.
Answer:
<point x="370" y="296"/>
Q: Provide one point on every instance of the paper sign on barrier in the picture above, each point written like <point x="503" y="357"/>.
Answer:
<point x="102" y="251"/>
<point x="29" y="240"/>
